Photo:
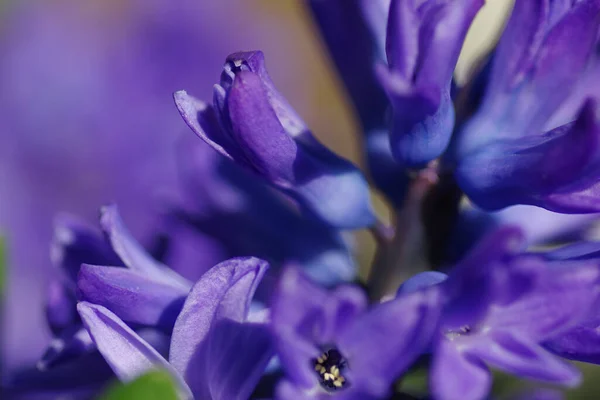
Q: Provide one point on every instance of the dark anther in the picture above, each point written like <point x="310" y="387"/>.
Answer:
<point x="330" y="366"/>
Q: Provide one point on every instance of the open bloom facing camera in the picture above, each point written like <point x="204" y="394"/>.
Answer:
<point x="454" y="291"/>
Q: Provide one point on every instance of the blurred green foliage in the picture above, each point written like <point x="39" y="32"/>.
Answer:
<point x="155" y="385"/>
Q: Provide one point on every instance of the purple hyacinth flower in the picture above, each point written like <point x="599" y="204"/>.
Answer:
<point x="423" y="42"/>
<point x="215" y="352"/>
<point x="251" y="123"/>
<point x="508" y="153"/>
<point x="539" y="226"/>
<point x="246" y="216"/>
<point x="139" y="289"/>
<point x="354" y="33"/>
<point x="331" y="345"/>
<point x="146" y="292"/>
<point x="500" y="307"/>
<point x="582" y="341"/>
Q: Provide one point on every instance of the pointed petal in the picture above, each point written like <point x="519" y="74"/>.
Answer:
<point x="223" y="292"/>
<point x="527" y="359"/>
<point x="555" y="298"/>
<point x="131" y="295"/>
<point x="421" y="281"/>
<point x="454" y="371"/>
<point x="402" y="42"/>
<point x="469" y="286"/>
<point x="74" y="242"/>
<point x="582" y="250"/>
<point x="255" y="62"/>
<point x="553" y="76"/>
<point x="237" y="355"/>
<point x="296" y="305"/>
<point x="275" y="145"/>
<point x="201" y="118"/>
<point x="258" y="131"/>
<point x="131" y="252"/>
<point x="508" y="172"/>
<point x="518" y="45"/>
<point x="405" y="324"/>
<point x="442" y="34"/>
<point x="581" y="343"/>
<point x="128" y="355"/>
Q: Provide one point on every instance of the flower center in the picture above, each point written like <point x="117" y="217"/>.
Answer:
<point x="330" y="366"/>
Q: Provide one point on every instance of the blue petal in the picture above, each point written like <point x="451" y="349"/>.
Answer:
<point x="131" y="252"/>
<point x="455" y="371"/>
<point x="423" y="44"/>
<point x="421" y="281"/>
<point x="247" y="217"/>
<point x="523" y="358"/>
<point x="216" y="310"/>
<point x="128" y="354"/>
<point x="520" y="171"/>
<point x="75" y="242"/>
<point x="132" y="295"/>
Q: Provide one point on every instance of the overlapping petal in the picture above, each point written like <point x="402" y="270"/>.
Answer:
<point x="132" y="295"/>
<point x="423" y="43"/>
<point x="216" y="309"/>
<point x="260" y="131"/>
<point x="127" y="353"/>
<point x="505" y="154"/>
<point x="246" y="216"/>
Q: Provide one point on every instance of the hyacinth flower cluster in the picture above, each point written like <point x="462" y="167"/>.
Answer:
<point x="453" y="290"/>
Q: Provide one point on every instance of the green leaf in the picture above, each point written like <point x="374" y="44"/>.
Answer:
<point x="155" y="385"/>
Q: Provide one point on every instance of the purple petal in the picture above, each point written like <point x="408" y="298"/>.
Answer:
<point x="508" y="172"/>
<point x="60" y="308"/>
<point x="132" y="295"/>
<point x="576" y="251"/>
<point x="71" y="344"/>
<point x="201" y="118"/>
<point x="255" y="61"/>
<point x="554" y="300"/>
<point x="382" y="343"/>
<point x="237" y="355"/>
<point x="74" y="242"/>
<point x="520" y="41"/>
<point x="327" y="186"/>
<point x="258" y="131"/>
<point x="132" y="253"/>
<point x="296" y="307"/>
<point x="402" y="44"/>
<point x="581" y="343"/>
<point x="421" y="281"/>
<point x="524" y="358"/>
<point x="468" y="287"/>
<point x="441" y="38"/>
<point x="423" y="43"/>
<point x="454" y="372"/>
<point x="127" y="354"/>
<point x="575" y="34"/>
<point x="376" y="14"/>
<point x="223" y="293"/>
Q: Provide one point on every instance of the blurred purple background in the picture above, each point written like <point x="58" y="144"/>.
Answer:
<point x="87" y="118"/>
